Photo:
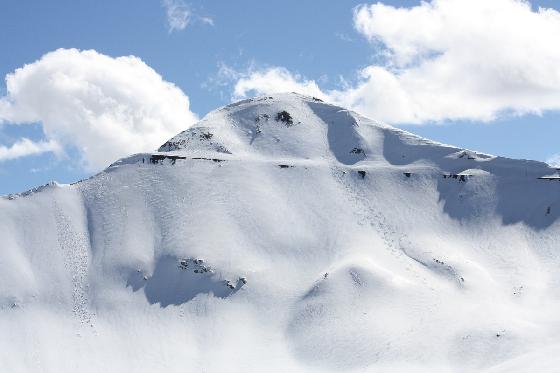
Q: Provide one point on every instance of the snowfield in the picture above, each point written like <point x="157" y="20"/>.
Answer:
<point x="283" y="234"/>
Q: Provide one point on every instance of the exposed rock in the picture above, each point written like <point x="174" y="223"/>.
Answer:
<point x="285" y="117"/>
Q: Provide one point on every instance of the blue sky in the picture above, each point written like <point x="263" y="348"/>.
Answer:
<point x="215" y="45"/>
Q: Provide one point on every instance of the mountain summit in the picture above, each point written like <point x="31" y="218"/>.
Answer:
<point x="282" y="233"/>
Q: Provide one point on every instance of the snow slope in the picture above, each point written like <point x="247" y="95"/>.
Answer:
<point x="285" y="234"/>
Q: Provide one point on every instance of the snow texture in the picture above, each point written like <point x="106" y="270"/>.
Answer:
<point x="282" y="234"/>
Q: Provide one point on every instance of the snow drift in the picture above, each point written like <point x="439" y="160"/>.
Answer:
<point x="285" y="234"/>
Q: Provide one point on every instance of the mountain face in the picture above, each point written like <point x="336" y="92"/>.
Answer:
<point x="285" y="234"/>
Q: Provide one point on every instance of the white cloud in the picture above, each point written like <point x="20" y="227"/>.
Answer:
<point x="271" y="80"/>
<point x="25" y="147"/>
<point x="445" y="59"/>
<point x="178" y="14"/>
<point x="207" y="20"/>
<point x="104" y="107"/>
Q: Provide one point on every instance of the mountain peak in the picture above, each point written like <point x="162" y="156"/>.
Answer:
<point x="281" y="126"/>
<point x="290" y="127"/>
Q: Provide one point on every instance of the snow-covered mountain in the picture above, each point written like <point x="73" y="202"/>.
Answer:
<point x="283" y="234"/>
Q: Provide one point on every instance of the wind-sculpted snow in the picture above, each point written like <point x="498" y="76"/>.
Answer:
<point x="285" y="234"/>
<point x="166" y="285"/>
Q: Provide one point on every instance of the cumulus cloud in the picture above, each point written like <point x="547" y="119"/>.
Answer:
<point x="25" y="147"/>
<point x="104" y="107"/>
<point x="445" y="60"/>
<point x="271" y="80"/>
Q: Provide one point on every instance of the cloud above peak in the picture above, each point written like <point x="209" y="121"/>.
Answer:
<point x="103" y="107"/>
<point x="447" y="60"/>
<point x="272" y="80"/>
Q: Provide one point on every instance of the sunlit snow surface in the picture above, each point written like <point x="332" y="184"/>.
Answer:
<point x="282" y="234"/>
